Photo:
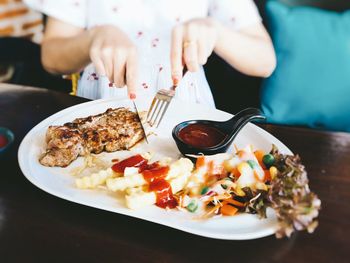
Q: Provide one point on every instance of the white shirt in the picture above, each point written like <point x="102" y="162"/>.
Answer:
<point x="148" y="23"/>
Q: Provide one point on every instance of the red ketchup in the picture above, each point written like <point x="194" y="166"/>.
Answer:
<point x="201" y="135"/>
<point x="3" y="141"/>
<point x="165" y="198"/>
<point x="155" y="175"/>
<point x="133" y="161"/>
<point x="155" y="172"/>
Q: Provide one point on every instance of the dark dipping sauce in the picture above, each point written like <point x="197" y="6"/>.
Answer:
<point x="3" y="141"/>
<point x="201" y="135"/>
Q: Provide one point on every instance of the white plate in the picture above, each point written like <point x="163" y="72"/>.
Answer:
<point x="60" y="182"/>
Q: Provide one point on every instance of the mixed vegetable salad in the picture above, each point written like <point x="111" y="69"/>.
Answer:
<point x="251" y="181"/>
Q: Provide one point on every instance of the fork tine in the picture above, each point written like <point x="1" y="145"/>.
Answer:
<point x="159" y="111"/>
<point x="163" y="113"/>
<point x="151" y="108"/>
<point x="156" y="106"/>
<point x="159" y="106"/>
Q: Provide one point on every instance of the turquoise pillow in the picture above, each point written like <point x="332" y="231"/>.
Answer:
<point x="311" y="83"/>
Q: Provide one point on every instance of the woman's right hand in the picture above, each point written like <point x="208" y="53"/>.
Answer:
<point x="114" y="55"/>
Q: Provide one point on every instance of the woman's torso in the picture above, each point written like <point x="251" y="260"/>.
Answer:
<point x="148" y="24"/>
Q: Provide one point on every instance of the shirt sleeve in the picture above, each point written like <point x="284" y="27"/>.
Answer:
<point x="236" y="14"/>
<point x="69" y="11"/>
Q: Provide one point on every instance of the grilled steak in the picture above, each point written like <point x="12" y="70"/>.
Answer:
<point x="113" y="130"/>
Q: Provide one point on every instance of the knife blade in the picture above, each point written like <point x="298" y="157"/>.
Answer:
<point x="138" y="116"/>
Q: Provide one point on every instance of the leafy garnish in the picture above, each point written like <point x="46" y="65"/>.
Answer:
<point x="257" y="201"/>
<point x="289" y="195"/>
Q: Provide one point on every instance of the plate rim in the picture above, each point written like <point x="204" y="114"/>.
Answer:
<point x="230" y="236"/>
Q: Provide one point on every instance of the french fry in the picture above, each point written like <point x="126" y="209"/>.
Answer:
<point x="137" y="198"/>
<point x="122" y="183"/>
<point x="177" y="168"/>
<point x="95" y="179"/>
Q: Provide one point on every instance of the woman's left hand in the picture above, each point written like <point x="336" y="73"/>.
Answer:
<point x="191" y="44"/>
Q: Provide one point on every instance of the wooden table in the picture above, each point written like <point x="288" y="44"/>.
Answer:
<point x="38" y="227"/>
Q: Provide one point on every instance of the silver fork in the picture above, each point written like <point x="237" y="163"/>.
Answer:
<point x="160" y="104"/>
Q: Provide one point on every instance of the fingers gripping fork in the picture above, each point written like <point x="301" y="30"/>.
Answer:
<point x="161" y="103"/>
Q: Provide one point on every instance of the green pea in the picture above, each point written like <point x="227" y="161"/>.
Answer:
<point x="252" y="163"/>
<point x="192" y="206"/>
<point x="268" y="160"/>
<point x="224" y="186"/>
<point x="204" y="190"/>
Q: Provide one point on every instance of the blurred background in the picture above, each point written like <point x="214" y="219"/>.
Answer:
<point x="21" y="31"/>
<point x="249" y="94"/>
<point x="310" y="86"/>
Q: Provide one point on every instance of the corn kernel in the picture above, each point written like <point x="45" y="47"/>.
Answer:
<point x="273" y="172"/>
<point x="238" y="191"/>
<point x="243" y="166"/>
<point x="261" y="186"/>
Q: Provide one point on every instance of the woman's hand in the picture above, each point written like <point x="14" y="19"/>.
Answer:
<point x="191" y="45"/>
<point x="115" y="56"/>
<point x="249" y="49"/>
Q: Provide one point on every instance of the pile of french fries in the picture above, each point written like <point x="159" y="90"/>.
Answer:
<point x="133" y="184"/>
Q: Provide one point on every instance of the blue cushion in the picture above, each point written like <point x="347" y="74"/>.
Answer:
<point x="311" y="84"/>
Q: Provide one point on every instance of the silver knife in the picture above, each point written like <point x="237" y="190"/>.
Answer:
<point x="138" y="116"/>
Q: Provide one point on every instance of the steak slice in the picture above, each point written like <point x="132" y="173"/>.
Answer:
<point x="113" y="130"/>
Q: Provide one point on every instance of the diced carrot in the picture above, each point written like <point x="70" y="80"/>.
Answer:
<point x="211" y="167"/>
<point x="234" y="202"/>
<point x="241" y="154"/>
<point x="228" y="210"/>
<point x="267" y="175"/>
<point x="235" y="172"/>
<point x="200" y="162"/>
<point x="259" y="154"/>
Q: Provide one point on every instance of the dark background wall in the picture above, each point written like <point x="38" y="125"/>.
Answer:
<point x="24" y="56"/>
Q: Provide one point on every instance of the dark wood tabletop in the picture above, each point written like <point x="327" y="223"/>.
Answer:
<point x="38" y="227"/>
